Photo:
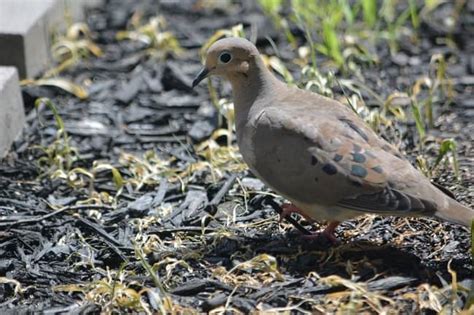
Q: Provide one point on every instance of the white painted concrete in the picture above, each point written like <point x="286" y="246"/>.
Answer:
<point x="12" y="114"/>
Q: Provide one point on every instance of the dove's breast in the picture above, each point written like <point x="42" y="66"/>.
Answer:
<point x="246" y="128"/>
<point x="278" y="159"/>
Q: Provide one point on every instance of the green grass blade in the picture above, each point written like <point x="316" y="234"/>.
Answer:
<point x="59" y="121"/>
<point x="270" y="6"/>
<point x="332" y="42"/>
<point x="415" y="21"/>
<point x="347" y="10"/>
<point x="419" y="122"/>
<point x="369" y="8"/>
<point x="448" y="145"/>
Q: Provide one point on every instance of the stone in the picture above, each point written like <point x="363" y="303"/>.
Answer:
<point x="26" y="26"/>
<point x="201" y="130"/>
<point x="12" y="114"/>
<point x="24" y="35"/>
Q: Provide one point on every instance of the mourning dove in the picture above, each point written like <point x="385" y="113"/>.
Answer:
<point x="316" y="152"/>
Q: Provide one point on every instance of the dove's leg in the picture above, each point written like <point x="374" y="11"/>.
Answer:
<point x="327" y="233"/>
<point x="289" y="208"/>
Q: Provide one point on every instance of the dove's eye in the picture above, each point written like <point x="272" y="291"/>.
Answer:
<point x="225" y="57"/>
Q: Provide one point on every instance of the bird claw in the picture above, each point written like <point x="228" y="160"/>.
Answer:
<point x="327" y="234"/>
<point x="330" y="237"/>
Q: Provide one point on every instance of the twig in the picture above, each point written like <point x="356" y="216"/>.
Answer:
<point x="36" y="219"/>
<point x="212" y="205"/>
<point x="180" y="229"/>
<point x="109" y="240"/>
<point x="268" y="200"/>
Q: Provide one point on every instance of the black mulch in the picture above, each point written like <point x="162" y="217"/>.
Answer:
<point x="53" y="235"/>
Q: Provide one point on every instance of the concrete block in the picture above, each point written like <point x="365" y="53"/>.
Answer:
<point x="12" y="113"/>
<point x="24" y="38"/>
<point x="25" y="28"/>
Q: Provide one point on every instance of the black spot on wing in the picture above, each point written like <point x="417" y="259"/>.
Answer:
<point x="377" y="169"/>
<point x="387" y="148"/>
<point x="356" y="128"/>
<point x="398" y="155"/>
<point x="391" y="150"/>
<point x="329" y="169"/>
<point x="314" y="160"/>
<point x="445" y="190"/>
<point x="358" y="171"/>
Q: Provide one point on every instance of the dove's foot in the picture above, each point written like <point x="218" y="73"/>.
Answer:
<point x="327" y="233"/>
<point x="289" y="208"/>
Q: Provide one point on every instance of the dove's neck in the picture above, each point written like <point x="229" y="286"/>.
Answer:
<point x="252" y="92"/>
<point x="256" y="84"/>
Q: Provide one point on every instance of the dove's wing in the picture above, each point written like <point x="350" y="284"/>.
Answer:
<point x="320" y="152"/>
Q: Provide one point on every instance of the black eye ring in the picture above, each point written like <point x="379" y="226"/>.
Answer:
<point x="225" y="57"/>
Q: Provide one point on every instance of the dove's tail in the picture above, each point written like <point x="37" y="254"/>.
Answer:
<point x="456" y="213"/>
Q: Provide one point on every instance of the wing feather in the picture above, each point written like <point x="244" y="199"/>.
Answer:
<point x="353" y="162"/>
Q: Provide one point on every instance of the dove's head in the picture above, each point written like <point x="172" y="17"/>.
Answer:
<point x="229" y="57"/>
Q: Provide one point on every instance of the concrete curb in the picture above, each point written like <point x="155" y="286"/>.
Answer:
<point x="25" y="29"/>
<point x="12" y="113"/>
<point x="24" y="35"/>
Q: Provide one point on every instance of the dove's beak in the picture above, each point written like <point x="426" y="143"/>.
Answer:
<point x="201" y="76"/>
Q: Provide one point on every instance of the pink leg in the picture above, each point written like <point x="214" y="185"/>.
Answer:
<point x="289" y="208"/>
<point x="327" y="233"/>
